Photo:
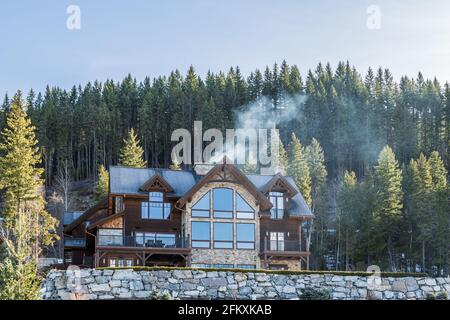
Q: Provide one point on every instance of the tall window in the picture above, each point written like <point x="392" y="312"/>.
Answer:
<point x="277" y="200"/>
<point x="202" y="207"/>
<point x="223" y="203"/>
<point x="156" y="208"/>
<point x="245" y="235"/>
<point x="201" y="234"/>
<point x="277" y="241"/>
<point x="223" y="235"/>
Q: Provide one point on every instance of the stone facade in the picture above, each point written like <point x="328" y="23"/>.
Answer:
<point x="196" y="284"/>
<point x="224" y="256"/>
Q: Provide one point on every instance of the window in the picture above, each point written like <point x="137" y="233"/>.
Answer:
<point x="222" y="266"/>
<point x="278" y="267"/>
<point x="155" y="240"/>
<point x="156" y="208"/>
<point x="202" y="207"/>
<point x="112" y="262"/>
<point x="201" y="236"/>
<point x="223" y="203"/>
<point x="110" y="237"/>
<point x="277" y="200"/>
<point x="128" y="262"/>
<point x="277" y="241"/>
<point x="245" y="236"/>
<point x="156" y="196"/>
<point x="246" y="266"/>
<point x="212" y="266"/>
<point x="223" y="235"/>
<point x="119" y="205"/>
<point x="120" y="263"/>
<point x="243" y="209"/>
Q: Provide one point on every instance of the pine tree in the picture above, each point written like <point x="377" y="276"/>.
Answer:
<point x="282" y="156"/>
<point x="298" y="168"/>
<point x="347" y="201"/>
<point x="316" y="164"/>
<point x="388" y="208"/>
<point x="249" y="168"/>
<point x="131" y="154"/>
<point x="102" y="188"/>
<point x="27" y="227"/>
<point x="439" y="206"/>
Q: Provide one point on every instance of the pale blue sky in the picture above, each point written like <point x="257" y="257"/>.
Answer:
<point x="154" y="37"/>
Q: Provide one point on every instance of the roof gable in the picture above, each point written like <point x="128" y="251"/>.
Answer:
<point x="278" y="182"/>
<point x="156" y="183"/>
<point x="227" y="172"/>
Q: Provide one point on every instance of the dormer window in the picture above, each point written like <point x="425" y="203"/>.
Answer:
<point x="155" y="208"/>
<point x="277" y="200"/>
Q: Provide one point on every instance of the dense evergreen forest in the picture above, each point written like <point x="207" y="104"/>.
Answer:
<point x="352" y="115"/>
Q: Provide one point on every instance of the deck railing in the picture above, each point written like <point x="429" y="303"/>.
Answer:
<point x="283" y="245"/>
<point x="74" y="242"/>
<point x="143" y="241"/>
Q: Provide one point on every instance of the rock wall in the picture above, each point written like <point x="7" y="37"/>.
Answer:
<point x="197" y="284"/>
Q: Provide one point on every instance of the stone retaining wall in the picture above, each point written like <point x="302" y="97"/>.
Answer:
<point x="197" y="284"/>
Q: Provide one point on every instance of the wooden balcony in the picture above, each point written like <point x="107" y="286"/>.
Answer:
<point x="273" y="250"/>
<point x="144" y="248"/>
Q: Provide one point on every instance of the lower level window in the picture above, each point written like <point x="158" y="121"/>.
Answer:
<point x="212" y="266"/>
<point x="246" y="266"/>
<point x="223" y="235"/>
<point x="278" y="267"/>
<point x="118" y="262"/>
<point x="113" y="263"/>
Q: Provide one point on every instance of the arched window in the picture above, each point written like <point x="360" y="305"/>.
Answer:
<point x="210" y="226"/>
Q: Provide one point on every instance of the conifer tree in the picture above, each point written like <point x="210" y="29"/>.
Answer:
<point x="440" y="208"/>
<point x="347" y="200"/>
<point x="283" y="162"/>
<point x="27" y="227"/>
<point x="249" y="168"/>
<point x="131" y="154"/>
<point x="316" y="164"/>
<point x="298" y="168"/>
<point x="389" y="203"/>
<point x="102" y="188"/>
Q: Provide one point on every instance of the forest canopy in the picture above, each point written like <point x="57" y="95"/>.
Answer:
<point x="352" y="115"/>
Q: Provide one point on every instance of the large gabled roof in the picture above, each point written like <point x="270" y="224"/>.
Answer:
<point x="125" y="180"/>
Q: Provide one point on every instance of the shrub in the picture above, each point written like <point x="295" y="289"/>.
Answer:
<point x="430" y="296"/>
<point x="442" y="296"/>
<point x="315" y="294"/>
<point x="156" y="295"/>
